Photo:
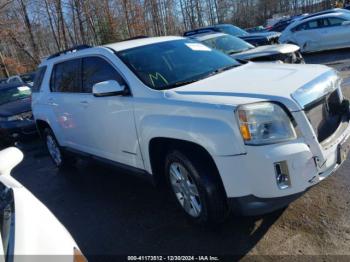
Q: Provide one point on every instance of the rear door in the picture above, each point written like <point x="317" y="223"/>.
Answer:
<point x="69" y="103"/>
<point x="308" y="35"/>
<point x="338" y="35"/>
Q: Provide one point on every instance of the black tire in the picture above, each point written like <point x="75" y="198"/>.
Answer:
<point x="64" y="160"/>
<point x="213" y="201"/>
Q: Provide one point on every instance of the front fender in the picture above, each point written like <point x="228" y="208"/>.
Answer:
<point x="218" y="137"/>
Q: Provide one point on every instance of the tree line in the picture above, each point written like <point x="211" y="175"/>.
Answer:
<point x="32" y="29"/>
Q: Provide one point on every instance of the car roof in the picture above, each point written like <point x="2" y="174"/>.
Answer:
<point x="298" y="22"/>
<point x="120" y="46"/>
<point x="206" y="36"/>
<point x="329" y="11"/>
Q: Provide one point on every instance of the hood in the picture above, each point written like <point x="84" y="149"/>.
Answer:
<point x="249" y="83"/>
<point x="266" y="50"/>
<point x="267" y="35"/>
<point x="15" y="107"/>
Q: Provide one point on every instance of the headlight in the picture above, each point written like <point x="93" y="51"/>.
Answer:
<point x="264" y="123"/>
<point x="15" y="118"/>
<point x="19" y="117"/>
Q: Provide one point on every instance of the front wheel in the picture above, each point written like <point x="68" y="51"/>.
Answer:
<point x="196" y="189"/>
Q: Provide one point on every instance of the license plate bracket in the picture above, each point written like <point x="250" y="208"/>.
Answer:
<point x="343" y="150"/>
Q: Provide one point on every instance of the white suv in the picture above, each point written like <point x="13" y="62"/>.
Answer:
<point x="250" y="137"/>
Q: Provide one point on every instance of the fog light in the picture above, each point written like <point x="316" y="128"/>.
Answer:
<point x="282" y="175"/>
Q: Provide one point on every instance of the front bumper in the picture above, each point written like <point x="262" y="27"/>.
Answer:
<point x="250" y="179"/>
<point x="253" y="206"/>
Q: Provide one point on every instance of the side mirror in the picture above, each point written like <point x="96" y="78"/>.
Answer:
<point x="9" y="159"/>
<point x="108" y="88"/>
<point x="346" y="23"/>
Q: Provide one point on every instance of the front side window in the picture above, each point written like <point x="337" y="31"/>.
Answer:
<point x="66" y="77"/>
<point x="96" y="70"/>
<point x="174" y="63"/>
<point x="228" y="44"/>
<point x="8" y="95"/>
<point x="313" y="24"/>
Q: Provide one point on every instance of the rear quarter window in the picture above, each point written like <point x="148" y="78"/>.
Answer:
<point x="38" y="79"/>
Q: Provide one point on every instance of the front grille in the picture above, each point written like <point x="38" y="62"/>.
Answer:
<point x="325" y="115"/>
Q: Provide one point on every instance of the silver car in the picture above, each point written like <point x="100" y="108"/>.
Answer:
<point x="318" y="33"/>
<point x="242" y="50"/>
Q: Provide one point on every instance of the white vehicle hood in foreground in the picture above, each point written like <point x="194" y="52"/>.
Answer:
<point x="36" y="230"/>
<point x="250" y="83"/>
<point x="267" y="50"/>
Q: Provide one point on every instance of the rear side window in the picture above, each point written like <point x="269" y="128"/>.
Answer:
<point x="38" y="79"/>
<point x="96" y="70"/>
<point x="66" y="77"/>
<point x="335" y="21"/>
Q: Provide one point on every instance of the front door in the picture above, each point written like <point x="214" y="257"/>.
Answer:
<point x="111" y="132"/>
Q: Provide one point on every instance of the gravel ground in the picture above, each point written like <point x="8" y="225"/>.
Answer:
<point x="109" y="213"/>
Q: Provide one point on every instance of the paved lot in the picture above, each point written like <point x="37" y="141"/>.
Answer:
<point x="111" y="213"/>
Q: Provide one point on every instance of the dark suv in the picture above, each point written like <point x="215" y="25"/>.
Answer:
<point x="256" y="39"/>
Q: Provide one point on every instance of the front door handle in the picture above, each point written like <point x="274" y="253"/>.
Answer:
<point x="84" y="102"/>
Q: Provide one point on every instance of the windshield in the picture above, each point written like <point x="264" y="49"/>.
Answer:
<point x="8" y="95"/>
<point x="233" y="30"/>
<point x="228" y="44"/>
<point x="174" y="63"/>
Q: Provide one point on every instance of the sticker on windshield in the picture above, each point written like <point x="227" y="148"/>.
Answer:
<point x="198" y="47"/>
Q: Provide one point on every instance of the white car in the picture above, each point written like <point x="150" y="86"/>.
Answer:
<point x="251" y="136"/>
<point x="28" y="230"/>
<point x="317" y="33"/>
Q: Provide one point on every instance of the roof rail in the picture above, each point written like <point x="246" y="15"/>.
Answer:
<point x="70" y="50"/>
<point x="135" y="37"/>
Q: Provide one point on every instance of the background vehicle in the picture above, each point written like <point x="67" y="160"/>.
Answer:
<point x="284" y="23"/>
<point x="28" y="228"/>
<point x="16" y="118"/>
<point x="27" y="79"/>
<point x="323" y="32"/>
<point x="255" y="29"/>
<point x="197" y="119"/>
<point x="239" y="49"/>
<point x="256" y="39"/>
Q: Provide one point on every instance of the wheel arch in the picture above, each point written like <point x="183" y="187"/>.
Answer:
<point x="160" y="146"/>
<point x="41" y="125"/>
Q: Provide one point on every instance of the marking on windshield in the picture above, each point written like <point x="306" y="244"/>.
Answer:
<point x="156" y="77"/>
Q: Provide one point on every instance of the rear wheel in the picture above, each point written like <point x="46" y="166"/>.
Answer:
<point x="195" y="187"/>
<point x="57" y="154"/>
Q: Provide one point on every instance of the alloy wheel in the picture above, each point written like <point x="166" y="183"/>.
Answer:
<point x="185" y="189"/>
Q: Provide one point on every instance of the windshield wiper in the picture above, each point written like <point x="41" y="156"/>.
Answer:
<point x="182" y="83"/>
<point x="220" y="70"/>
